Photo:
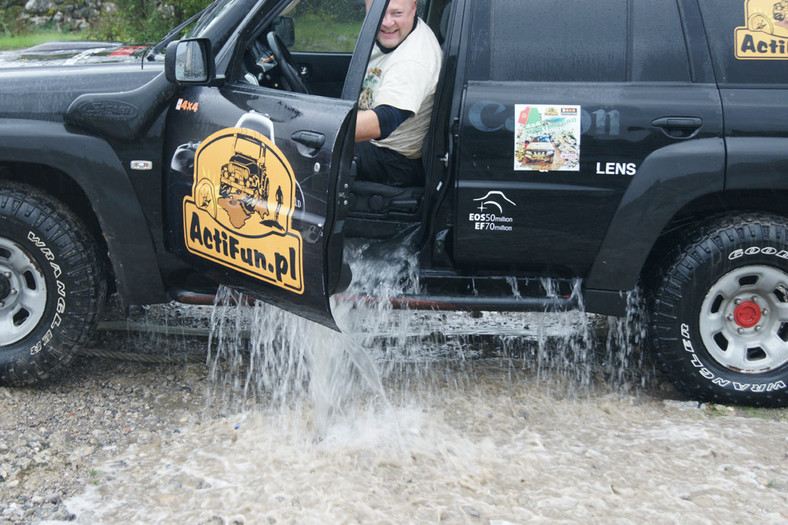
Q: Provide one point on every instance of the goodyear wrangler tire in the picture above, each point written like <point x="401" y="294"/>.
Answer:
<point x="51" y="285"/>
<point x="719" y="316"/>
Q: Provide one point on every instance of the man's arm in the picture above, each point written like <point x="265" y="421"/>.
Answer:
<point x="367" y="125"/>
<point x="379" y="122"/>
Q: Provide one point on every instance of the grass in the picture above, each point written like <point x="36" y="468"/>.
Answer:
<point x="320" y="36"/>
<point x="8" y="41"/>
<point x="95" y="476"/>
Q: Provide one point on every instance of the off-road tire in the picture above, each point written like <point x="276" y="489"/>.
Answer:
<point x="719" y="313"/>
<point x="51" y="284"/>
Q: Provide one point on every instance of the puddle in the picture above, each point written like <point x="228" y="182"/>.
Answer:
<point x="497" y="450"/>
<point x="521" y="418"/>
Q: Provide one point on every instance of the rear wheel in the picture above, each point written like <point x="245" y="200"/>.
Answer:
<point x="719" y="322"/>
<point x="51" y="284"/>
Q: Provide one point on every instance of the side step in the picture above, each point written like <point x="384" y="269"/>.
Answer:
<point x="493" y="294"/>
<point x="486" y="304"/>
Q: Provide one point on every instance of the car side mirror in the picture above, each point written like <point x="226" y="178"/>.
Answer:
<point x="285" y="30"/>
<point x="189" y="62"/>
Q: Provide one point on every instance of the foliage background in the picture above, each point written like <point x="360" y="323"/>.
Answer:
<point x="324" y="25"/>
<point x="139" y="21"/>
<point x="334" y="9"/>
<point x="143" y="20"/>
<point x="10" y="21"/>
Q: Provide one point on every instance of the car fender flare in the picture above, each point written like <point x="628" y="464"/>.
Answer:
<point x="666" y="181"/>
<point x="756" y="163"/>
<point x="93" y="165"/>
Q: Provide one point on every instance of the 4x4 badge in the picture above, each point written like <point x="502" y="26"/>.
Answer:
<point x="765" y="33"/>
<point x="240" y="210"/>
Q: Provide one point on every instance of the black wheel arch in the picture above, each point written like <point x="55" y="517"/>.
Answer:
<point x="86" y="174"/>
<point x="667" y="181"/>
<point x="706" y="209"/>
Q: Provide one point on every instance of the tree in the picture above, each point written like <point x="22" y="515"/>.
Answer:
<point x="143" y="21"/>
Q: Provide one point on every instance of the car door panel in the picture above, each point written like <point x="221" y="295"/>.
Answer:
<point x="257" y="177"/>
<point x="249" y="190"/>
<point x="551" y="139"/>
<point x="543" y="206"/>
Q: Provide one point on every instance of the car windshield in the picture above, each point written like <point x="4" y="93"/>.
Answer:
<point x="208" y="15"/>
<point x="195" y="26"/>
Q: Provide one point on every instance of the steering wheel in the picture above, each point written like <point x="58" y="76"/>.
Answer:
<point x="286" y="64"/>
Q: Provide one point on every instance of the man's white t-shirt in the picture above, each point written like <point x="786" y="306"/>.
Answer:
<point x="405" y="79"/>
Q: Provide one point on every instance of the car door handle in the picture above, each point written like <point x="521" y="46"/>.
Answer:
<point x="311" y="139"/>
<point x="678" y="127"/>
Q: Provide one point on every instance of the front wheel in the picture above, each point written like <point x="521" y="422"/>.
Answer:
<point x="719" y="322"/>
<point x="51" y="284"/>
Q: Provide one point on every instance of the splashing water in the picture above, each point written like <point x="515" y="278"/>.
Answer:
<point x="262" y="356"/>
<point x="286" y="360"/>
<point x="417" y="417"/>
<point x="626" y="364"/>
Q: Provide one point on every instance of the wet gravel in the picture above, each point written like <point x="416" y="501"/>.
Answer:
<point x="52" y="435"/>
<point x="57" y="438"/>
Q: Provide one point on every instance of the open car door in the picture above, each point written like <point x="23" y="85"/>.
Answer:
<point x="259" y="165"/>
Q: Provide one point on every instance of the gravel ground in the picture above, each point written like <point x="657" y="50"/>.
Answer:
<point x="57" y="438"/>
<point x="52" y="435"/>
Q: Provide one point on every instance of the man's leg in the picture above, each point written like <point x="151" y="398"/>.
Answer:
<point x="376" y="164"/>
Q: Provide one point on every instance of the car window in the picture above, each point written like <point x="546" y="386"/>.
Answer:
<point x="568" y="41"/>
<point x="659" y="50"/>
<point x="326" y="26"/>
<point x="560" y="40"/>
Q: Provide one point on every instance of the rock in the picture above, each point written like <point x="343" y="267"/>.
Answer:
<point x="59" y="439"/>
<point x="39" y="7"/>
<point x="83" y="451"/>
<point x="39" y="20"/>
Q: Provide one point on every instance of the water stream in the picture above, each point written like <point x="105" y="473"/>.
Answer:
<point x="263" y="357"/>
<point x="430" y="417"/>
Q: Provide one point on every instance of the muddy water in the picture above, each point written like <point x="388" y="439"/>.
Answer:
<point x="397" y="422"/>
<point x="491" y="447"/>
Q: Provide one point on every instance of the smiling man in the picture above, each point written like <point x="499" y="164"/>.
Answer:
<point x="396" y="99"/>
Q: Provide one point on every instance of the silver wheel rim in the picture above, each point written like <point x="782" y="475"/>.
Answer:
<point x="23" y="292"/>
<point x="744" y="319"/>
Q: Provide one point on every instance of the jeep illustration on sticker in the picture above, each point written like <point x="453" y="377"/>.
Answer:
<point x="240" y="211"/>
<point x="765" y="35"/>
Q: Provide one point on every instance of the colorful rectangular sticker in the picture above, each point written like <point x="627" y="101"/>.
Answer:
<point x="546" y="137"/>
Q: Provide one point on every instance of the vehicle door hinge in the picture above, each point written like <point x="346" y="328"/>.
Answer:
<point x="455" y="128"/>
<point x="445" y="159"/>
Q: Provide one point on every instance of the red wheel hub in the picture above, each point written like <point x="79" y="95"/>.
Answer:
<point x="747" y="314"/>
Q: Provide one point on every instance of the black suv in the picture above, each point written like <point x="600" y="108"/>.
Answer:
<point x="619" y="144"/>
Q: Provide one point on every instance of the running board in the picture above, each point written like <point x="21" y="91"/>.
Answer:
<point x="472" y="303"/>
<point x="454" y="292"/>
<point x="488" y="304"/>
<point x="428" y="302"/>
<point x="203" y="298"/>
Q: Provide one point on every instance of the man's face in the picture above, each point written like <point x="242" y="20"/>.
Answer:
<point x="397" y="23"/>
